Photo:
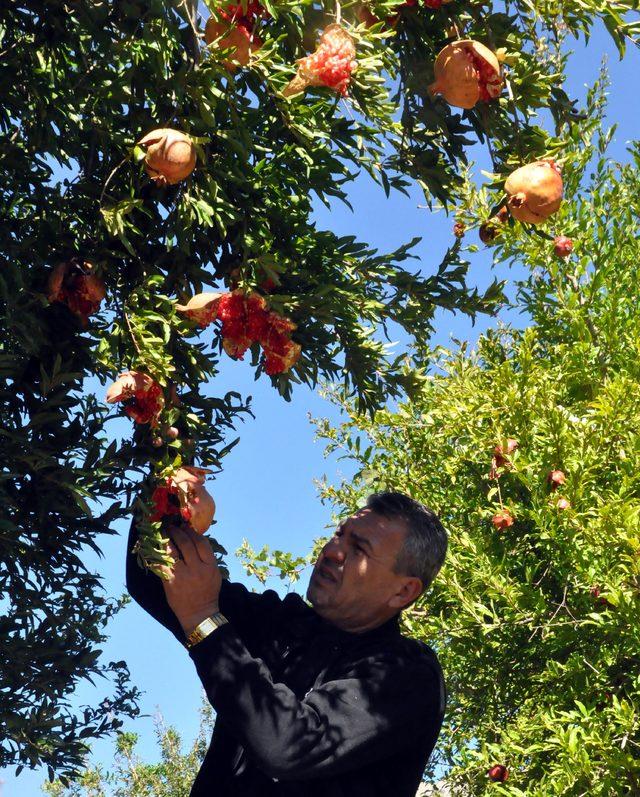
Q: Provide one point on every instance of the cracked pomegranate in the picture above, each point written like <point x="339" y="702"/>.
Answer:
<point x="534" y="191"/>
<point x="330" y="65"/>
<point x="141" y="395"/>
<point x="243" y="318"/>
<point x="466" y="72"/>
<point x="170" y="155"/>
<point x="184" y="494"/>
<point x="72" y="283"/>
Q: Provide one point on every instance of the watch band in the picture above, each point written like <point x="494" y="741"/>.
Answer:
<point x="206" y="627"/>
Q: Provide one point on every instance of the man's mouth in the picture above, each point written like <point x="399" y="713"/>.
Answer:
<point x="326" y="575"/>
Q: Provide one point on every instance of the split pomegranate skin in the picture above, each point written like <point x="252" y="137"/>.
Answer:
<point x="466" y="72"/>
<point x="330" y="65"/>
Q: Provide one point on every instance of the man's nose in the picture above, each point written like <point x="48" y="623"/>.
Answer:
<point x="333" y="550"/>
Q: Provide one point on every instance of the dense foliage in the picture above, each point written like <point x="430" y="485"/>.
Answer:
<point x="96" y="257"/>
<point x="527" y="446"/>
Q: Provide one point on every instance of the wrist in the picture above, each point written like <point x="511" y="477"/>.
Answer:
<point x="189" y="624"/>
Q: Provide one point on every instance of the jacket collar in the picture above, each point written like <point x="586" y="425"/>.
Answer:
<point x="390" y="627"/>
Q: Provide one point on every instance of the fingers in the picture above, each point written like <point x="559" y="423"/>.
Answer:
<point x="193" y="546"/>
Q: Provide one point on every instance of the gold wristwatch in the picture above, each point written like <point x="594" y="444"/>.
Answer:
<point x="206" y="627"/>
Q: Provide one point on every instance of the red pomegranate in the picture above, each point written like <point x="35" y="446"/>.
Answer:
<point x="556" y="479"/>
<point x="170" y="155"/>
<point x="562" y="246"/>
<point x="281" y="353"/>
<point x="502" y="519"/>
<point x="233" y="34"/>
<point x="73" y="283"/>
<point x="535" y="191"/>
<point x="201" y="308"/>
<point x="244" y="317"/>
<point x="466" y="72"/>
<point x="330" y="65"/>
<point x="141" y="394"/>
<point x="498" y="773"/>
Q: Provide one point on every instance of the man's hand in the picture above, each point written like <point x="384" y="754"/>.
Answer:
<point x="194" y="581"/>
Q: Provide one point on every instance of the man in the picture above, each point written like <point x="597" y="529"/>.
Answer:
<point x="324" y="701"/>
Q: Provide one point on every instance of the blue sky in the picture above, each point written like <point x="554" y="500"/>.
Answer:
<point x="266" y="493"/>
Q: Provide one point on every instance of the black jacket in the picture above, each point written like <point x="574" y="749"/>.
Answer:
<point x="302" y="707"/>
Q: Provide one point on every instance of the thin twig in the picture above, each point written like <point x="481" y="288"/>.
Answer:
<point x="133" y="337"/>
<point x="110" y="177"/>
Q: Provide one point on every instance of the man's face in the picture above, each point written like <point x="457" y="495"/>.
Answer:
<point x="353" y="584"/>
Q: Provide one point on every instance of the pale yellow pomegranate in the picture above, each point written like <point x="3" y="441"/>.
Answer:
<point x="201" y="308"/>
<point x="466" y="72"/>
<point x="534" y="191"/>
<point x="234" y="36"/>
<point x="170" y="155"/>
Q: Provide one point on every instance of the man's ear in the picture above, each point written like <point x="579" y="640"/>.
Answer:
<point x="409" y="589"/>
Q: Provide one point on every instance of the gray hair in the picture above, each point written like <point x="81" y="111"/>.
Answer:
<point x="425" y="545"/>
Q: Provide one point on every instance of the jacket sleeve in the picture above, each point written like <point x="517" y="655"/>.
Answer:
<point x="365" y="713"/>
<point x="147" y="591"/>
<point x="252" y="613"/>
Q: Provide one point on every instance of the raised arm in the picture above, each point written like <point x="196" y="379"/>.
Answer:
<point x="251" y="613"/>
<point x="146" y="589"/>
<point x="367" y="712"/>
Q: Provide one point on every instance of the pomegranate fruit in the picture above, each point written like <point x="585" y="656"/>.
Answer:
<point x="502" y="451"/>
<point x="563" y="503"/>
<point x="535" y="191"/>
<point x="184" y="494"/>
<point x="235" y="34"/>
<point x="491" y="229"/>
<point x="498" y="773"/>
<point x="502" y="519"/>
<point x="466" y="72"/>
<point x="281" y="353"/>
<point x="73" y="284"/>
<point x="330" y="65"/>
<point x="142" y="396"/>
<point x="197" y="506"/>
<point x="201" y="308"/>
<point x="243" y="318"/>
<point x="170" y="155"/>
<point x="246" y="320"/>
<point x="556" y="479"/>
<point x="562" y="246"/>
